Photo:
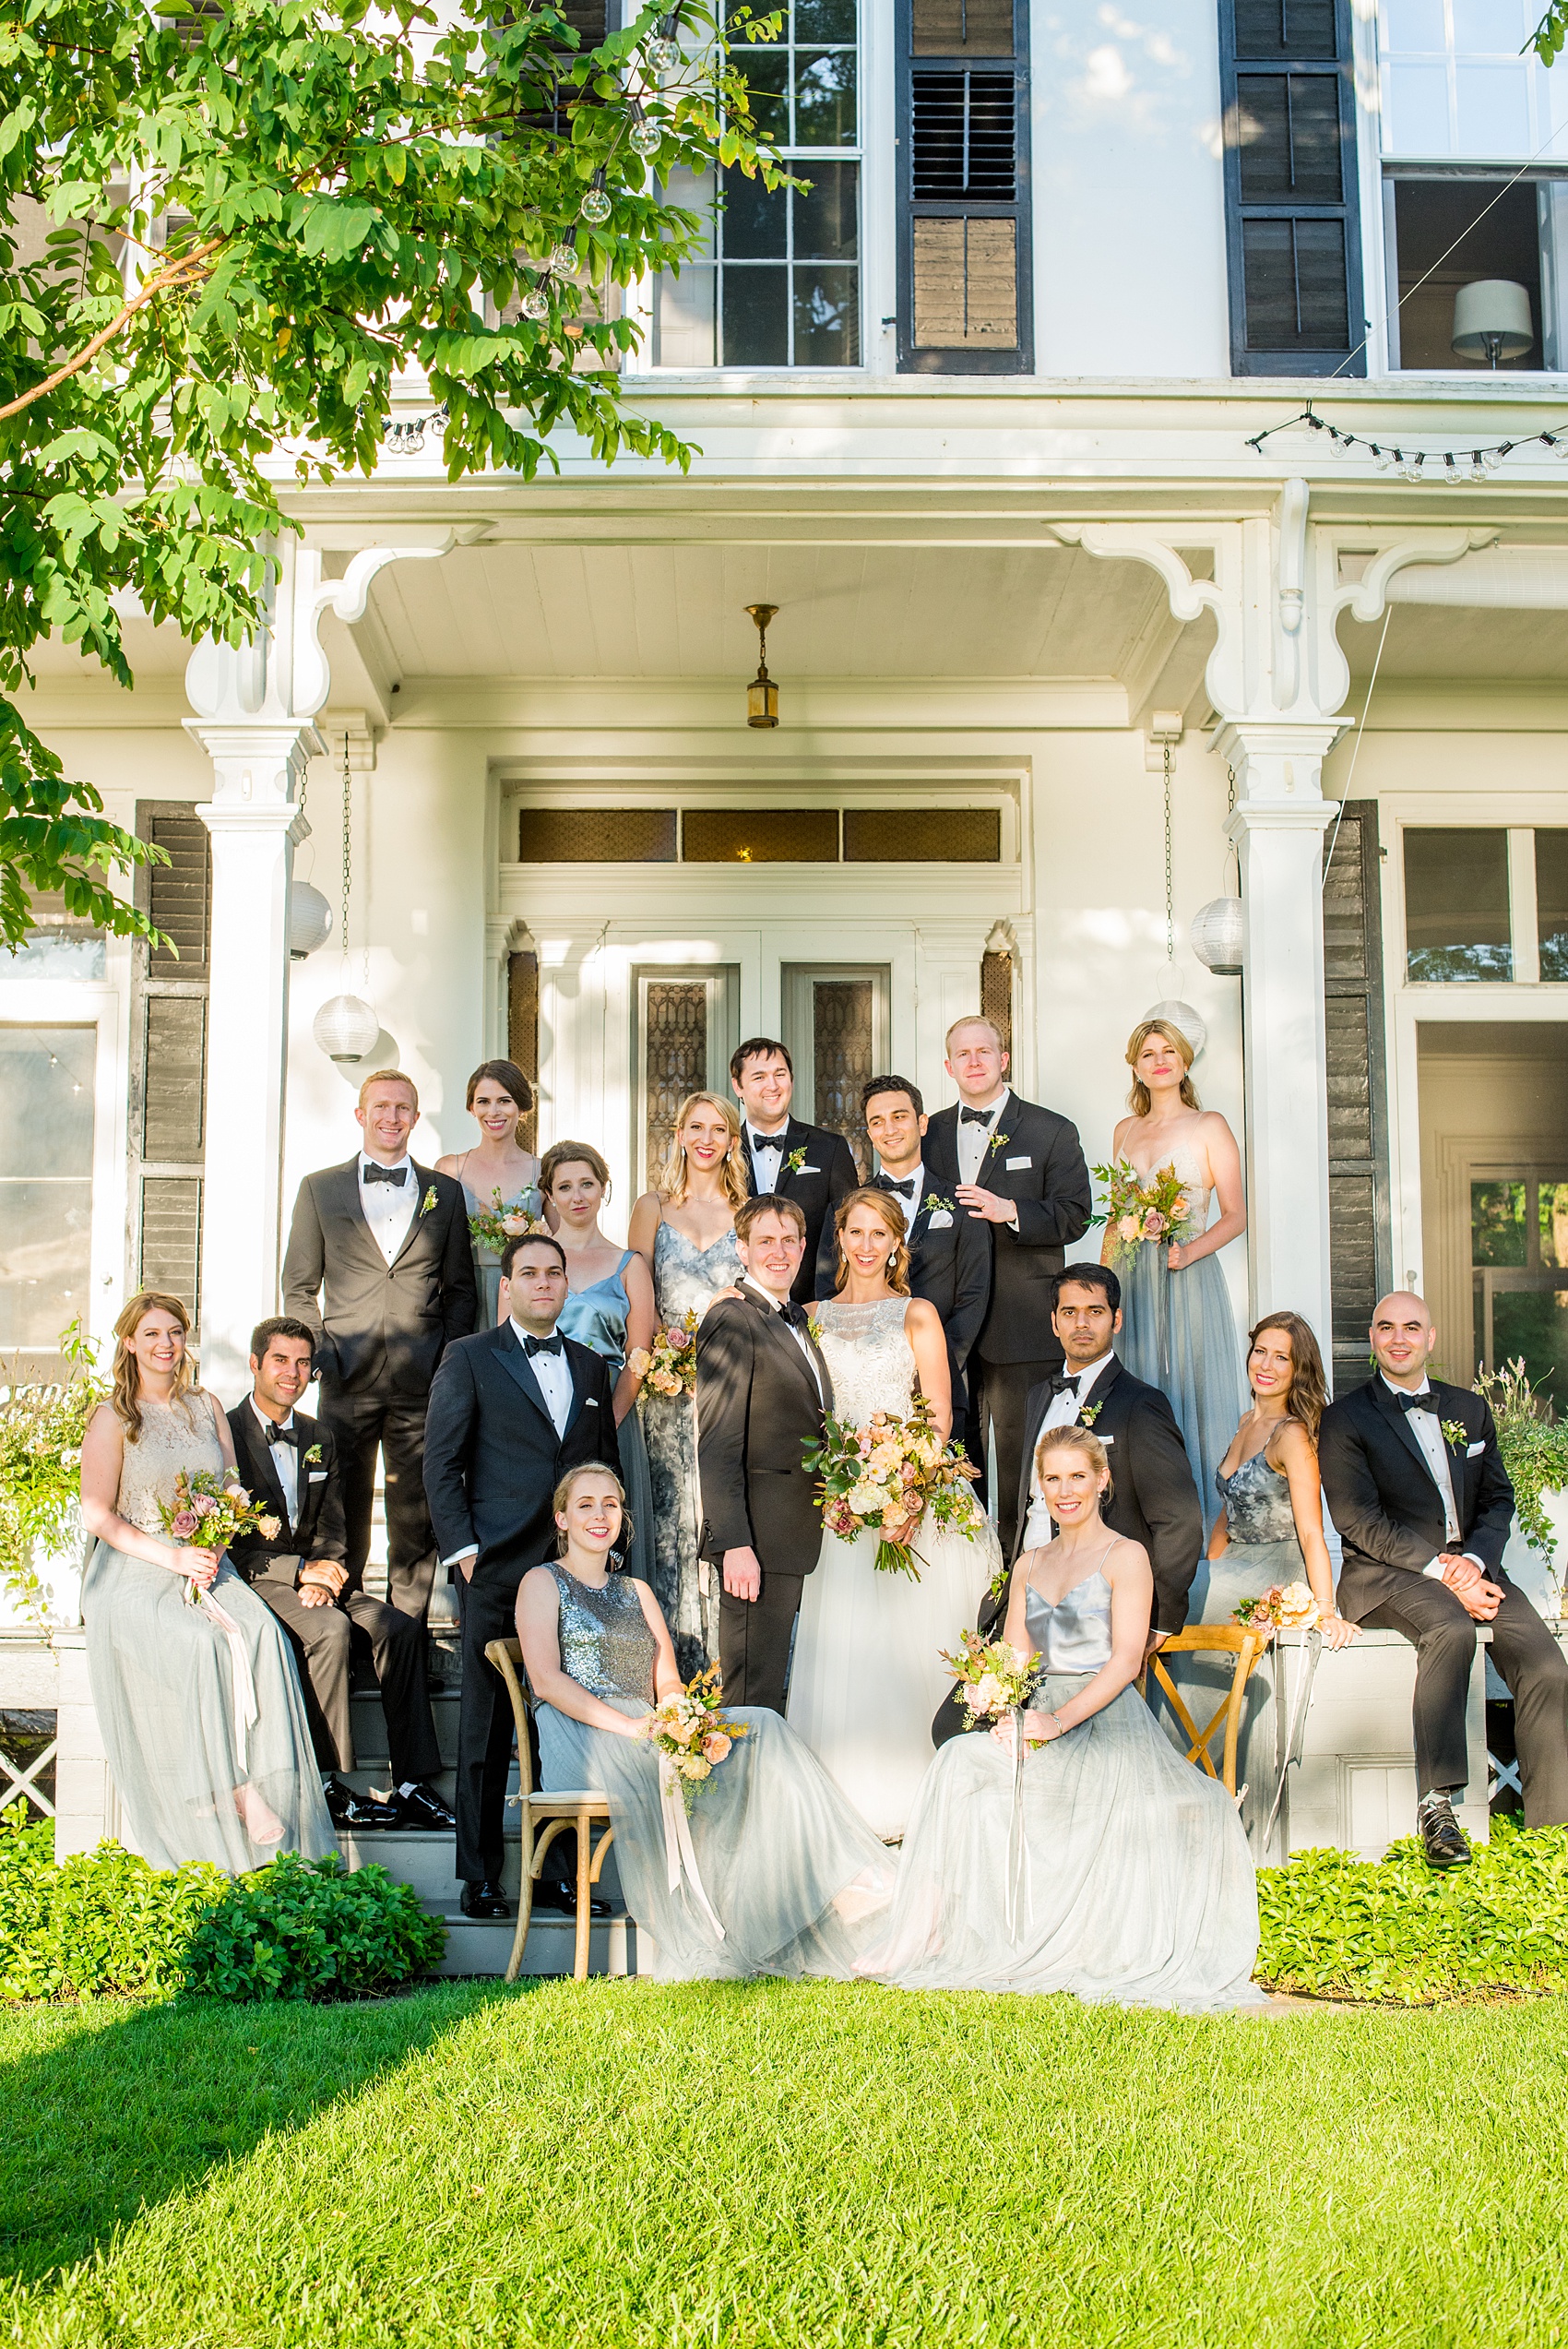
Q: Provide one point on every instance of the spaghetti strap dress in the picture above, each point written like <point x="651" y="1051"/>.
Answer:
<point x="597" y="1316"/>
<point x="528" y="1201"/>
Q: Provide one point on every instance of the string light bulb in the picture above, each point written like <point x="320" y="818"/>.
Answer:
<point x="563" y="260"/>
<point x="536" y="303"/>
<point x="596" y="206"/>
<point x="645" y="139"/>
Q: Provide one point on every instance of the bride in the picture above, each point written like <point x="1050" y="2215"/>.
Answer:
<point x="867" y="1672"/>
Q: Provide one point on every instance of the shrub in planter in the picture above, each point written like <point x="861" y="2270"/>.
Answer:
<point x="104" y="1922"/>
<point x="312" y="1930"/>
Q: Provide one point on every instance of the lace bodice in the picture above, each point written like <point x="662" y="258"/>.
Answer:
<point x="685" y="1278"/>
<point x="606" y="1645"/>
<point x="1189" y="1174"/>
<point x="173" y="1436"/>
<point x="868" y="1357"/>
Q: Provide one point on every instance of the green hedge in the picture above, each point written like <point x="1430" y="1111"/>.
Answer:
<point x="106" y="1922"/>
<point x="1337" y="1927"/>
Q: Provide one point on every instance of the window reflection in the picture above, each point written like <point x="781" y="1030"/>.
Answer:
<point x="1457" y="904"/>
<point x="46" y="1127"/>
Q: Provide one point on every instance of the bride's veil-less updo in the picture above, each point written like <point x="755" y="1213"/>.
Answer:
<point x="893" y="1215"/>
<point x="1075" y="1440"/>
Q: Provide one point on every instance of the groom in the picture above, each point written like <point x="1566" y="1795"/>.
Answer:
<point x="510" y="1411"/>
<point x="761" y="1390"/>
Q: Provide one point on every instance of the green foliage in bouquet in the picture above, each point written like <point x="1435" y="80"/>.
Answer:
<point x="312" y="1930"/>
<point x="1534" y="1447"/>
<point x="102" y="1923"/>
<point x="40" y="1452"/>
<point x="1337" y="1926"/>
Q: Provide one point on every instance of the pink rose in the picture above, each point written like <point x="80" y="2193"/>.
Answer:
<point x="182" y="1524"/>
<point x="679" y="1340"/>
<point x="717" y="1747"/>
<point x="203" y="1504"/>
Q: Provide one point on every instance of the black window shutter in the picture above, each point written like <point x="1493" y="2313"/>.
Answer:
<point x="1359" y="1265"/>
<point x="1293" y="226"/>
<point x="964" y="217"/>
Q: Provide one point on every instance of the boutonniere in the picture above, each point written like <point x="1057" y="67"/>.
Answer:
<point x="313" y="1457"/>
<point x="934" y="1204"/>
<point x="1000" y="1142"/>
<point x="430" y="1200"/>
<point x="795" y="1160"/>
<point x="1454" y="1434"/>
<point x="1090" y="1413"/>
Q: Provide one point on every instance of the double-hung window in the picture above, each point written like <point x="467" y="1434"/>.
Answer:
<point x="776" y="281"/>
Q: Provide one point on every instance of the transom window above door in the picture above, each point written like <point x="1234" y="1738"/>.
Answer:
<point x="918" y="835"/>
<point x="1484" y="902"/>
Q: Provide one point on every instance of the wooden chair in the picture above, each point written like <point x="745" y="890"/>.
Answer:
<point x="1238" y="1639"/>
<point x="544" y="1816"/>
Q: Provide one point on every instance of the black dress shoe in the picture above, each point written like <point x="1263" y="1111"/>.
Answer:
<point x="357" y="1811"/>
<point x="423" y="1808"/>
<point x="1442" y="1838"/>
<point x="486" y="1900"/>
<point x="562" y="1900"/>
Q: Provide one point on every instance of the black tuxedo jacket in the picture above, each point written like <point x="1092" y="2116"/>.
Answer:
<point x="757" y="1409"/>
<point x="950" y="1266"/>
<point x="1035" y="1159"/>
<point x="318" y="1532"/>
<point x="1154" y="1498"/>
<point x="492" y="1457"/>
<point x="379" y="1325"/>
<point x="1385" y="1501"/>
<point x="825" y="1175"/>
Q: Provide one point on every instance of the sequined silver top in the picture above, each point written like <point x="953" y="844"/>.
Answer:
<point x="606" y="1645"/>
<point x="1073" y="1635"/>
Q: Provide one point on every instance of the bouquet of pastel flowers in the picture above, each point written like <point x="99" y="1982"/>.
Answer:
<point x="494" y="1226"/>
<point x="1284" y="1606"/>
<point x="690" y="1733"/>
<point x="208" y="1511"/>
<point x="991" y="1678"/>
<point x="669" y="1364"/>
<point x="1140" y="1208"/>
<point x="881" y="1478"/>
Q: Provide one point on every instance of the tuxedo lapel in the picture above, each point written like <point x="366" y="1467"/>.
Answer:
<point x="1001" y="1135"/>
<point x="1382" y="1401"/>
<point x="259" y="1463"/>
<point x="422" y="1181"/>
<point x="343" y="1198"/>
<point x="508" y="1350"/>
<point x="779" y="1335"/>
<point x="796" y="1137"/>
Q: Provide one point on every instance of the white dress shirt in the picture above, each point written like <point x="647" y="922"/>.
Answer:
<point x="912" y="1206"/>
<point x="553" y="1373"/>
<point x="975" y="1140"/>
<point x="777" y="1305"/>
<point x="767" y="1156"/>
<point x="1434" y="1450"/>
<point x="1040" y="1526"/>
<point x="389" y="1208"/>
<point x="285" y="1463"/>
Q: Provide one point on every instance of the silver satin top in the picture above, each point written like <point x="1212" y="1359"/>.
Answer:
<point x="606" y="1645"/>
<point x="1073" y="1635"/>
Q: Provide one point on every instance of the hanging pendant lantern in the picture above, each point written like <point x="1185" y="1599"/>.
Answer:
<point x="346" y="1028"/>
<point x="761" y="694"/>
<point x="1193" y="1024"/>
<point x="310" y="920"/>
<point x="1217" y="934"/>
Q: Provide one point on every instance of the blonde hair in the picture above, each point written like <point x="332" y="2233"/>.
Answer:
<point x="671" y="1183"/>
<point x="126" y="1395"/>
<point x="893" y="1216"/>
<point x="974" y="1020"/>
<point x="562" y="1154"/>
<point x="562" y="1497"/>
<point x="391" y="1076"/>
<point x="1075" y="1440"/>
<point x="1140" y="1100"/>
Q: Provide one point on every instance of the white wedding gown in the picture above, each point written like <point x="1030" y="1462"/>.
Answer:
<point x="868" y="1674"/>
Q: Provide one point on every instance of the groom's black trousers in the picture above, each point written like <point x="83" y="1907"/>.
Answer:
<point x="754" y="1636"/>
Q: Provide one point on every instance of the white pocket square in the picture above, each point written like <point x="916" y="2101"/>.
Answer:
<point x="589" y="1403"/>
<point x="318" y="1476"/>
<point x="808" y="1170"/>
<point x="1474" y="1451"/>
<point x="1104" y="1439"/>
<point x="1015" y="1165"/>
<point x="939" y="1221"/>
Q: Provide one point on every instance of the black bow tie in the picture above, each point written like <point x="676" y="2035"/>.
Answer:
<point x="794" y="1314"/>
<point x="1415" y="1403"/>
<point x="905" y="1190"/>
<point x="276" y="1435"/>
<point x="1066" y="1384"/>
<point x="373" y="1174"/>
<point x="764" y="1141"/>
<point x="543" y="1345"/>
<point x="977" y="1116"/>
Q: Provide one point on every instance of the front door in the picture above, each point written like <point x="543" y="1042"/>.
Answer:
<point x="688" y="1025"/>
<point x="838" y="1024"/>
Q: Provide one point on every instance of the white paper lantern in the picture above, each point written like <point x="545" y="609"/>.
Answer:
<point x="346" y="1028"/>
<point x="1193" y="1024"/>
<point x="1217" y="936"/>
<point x="310" y="920"/>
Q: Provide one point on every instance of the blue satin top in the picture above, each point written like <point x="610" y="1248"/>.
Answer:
<point x="596" y="1315"/>
<point x="1073" y="1634"/>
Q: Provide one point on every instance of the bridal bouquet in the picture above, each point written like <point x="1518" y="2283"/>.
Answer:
<point x="878" y="1477"/>
<point x="1287" y="1606"/>
<point x="690" y="1735"/>
<point x="494" y="1226"/>
<point x="1139" y="1208"/>
<point x="210" y="1511"/>
<point x="993" y="1677"/>
<point x="669" y="1364"/>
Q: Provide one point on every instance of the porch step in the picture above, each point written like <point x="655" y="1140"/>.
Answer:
<point x="550" y="1949"/>
<point x="427" y="1863"/>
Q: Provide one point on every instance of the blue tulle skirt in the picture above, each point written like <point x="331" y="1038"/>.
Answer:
<point x="1179" y="1334"/>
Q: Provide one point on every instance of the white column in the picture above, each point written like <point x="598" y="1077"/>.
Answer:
<point x="1279" y="825"/>
<point x="255" y="820"/>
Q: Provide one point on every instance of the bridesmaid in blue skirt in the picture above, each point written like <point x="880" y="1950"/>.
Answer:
<point x="1180" y="1331"/>
<point x="778" y="1874"/>
<point x="610" y="1307"/>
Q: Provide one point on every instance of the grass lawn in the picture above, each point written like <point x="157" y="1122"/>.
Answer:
<point x="767" y="2164"/>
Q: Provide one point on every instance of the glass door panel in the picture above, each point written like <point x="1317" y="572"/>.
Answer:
<point x="1519" y="1276"/>
<point x="687" y="1026"/>
<point x="46" y="1133"/>
<point x="838" y="1024"/>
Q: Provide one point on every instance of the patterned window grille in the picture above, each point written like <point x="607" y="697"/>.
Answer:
<point x="841" y="1046"/>
<point x="922" y="835"/>
<point x="760" y="835"/>
<point x="675" y="1047"/>
<point x="522" y="1033"/>
<point x="597" y="835"/>
<point x="996" y="993"/>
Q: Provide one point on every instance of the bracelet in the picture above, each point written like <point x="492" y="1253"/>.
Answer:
<point x="1057" y="1718"/>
